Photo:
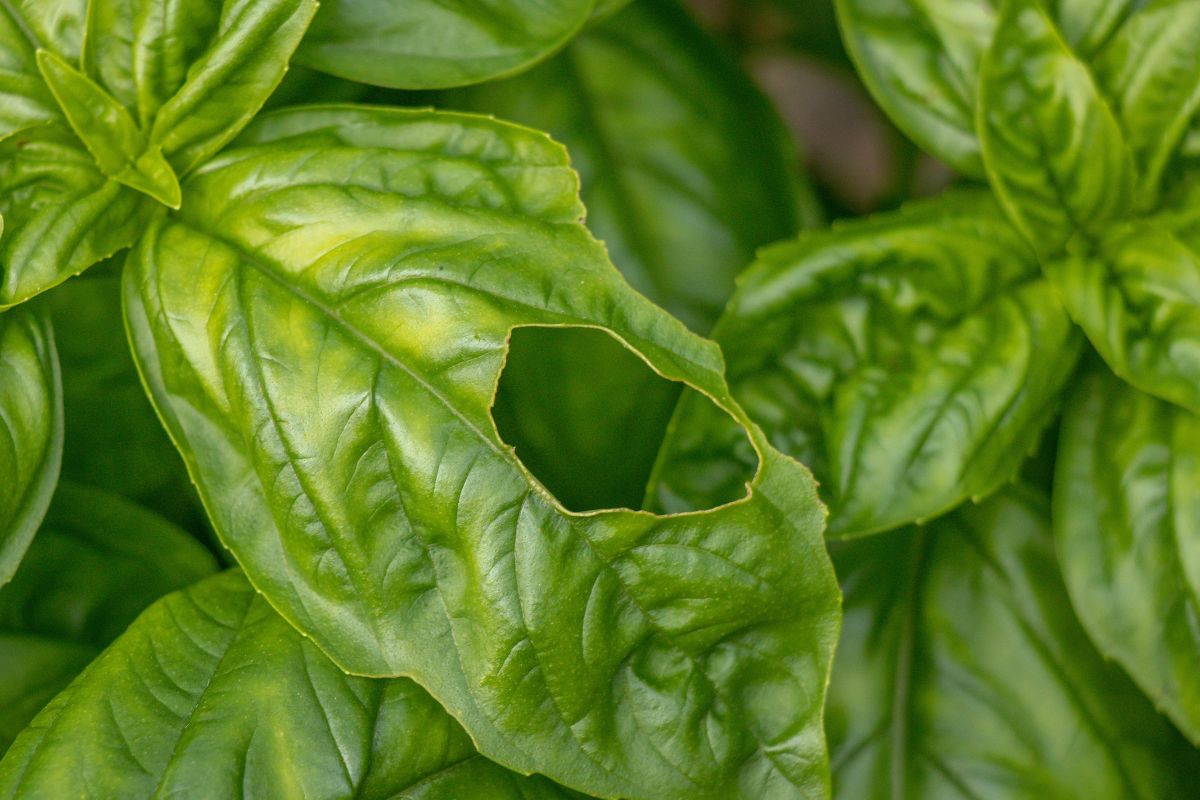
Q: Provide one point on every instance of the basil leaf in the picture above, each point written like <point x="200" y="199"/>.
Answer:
<point x="212" y="693"/>
<point x="322" y="327"/>
<point x="435" y="44"/>
<point x="55" y="25"/>
<point x="920" y="60"/>
<point x="109" y="132"/>
<point x="685" y="172"/>
<point x="1151" y="71"/>
<point x="1138" y="300"/>
<point x="963" y="673"/>
<point x="1128" y="528"/>
<point x="114" y="440"/>
<point x="24" y="100"/>
<point x="1055" y="154"/>
<point x="31" y="430"/>
<point x="96" y="562"/>
<point x="61" y="215"/>
<point x="911" y="359"/>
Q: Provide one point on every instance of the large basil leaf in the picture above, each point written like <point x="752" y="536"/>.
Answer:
<point x="1151" y="72"/>
<point x="1054" y="152"/>
<point x="96" y="563"/>
<point x="322" y="327"/>
<point x="114" y="440"/>
<point x="685" y="172"/>
<point x="1138" y="299"/>
<point x="31" y="430"/>
<point x="962" y="673"/>
<point x="160" y="88"/>
<point x="1128" y="528"/>
<point x="434" y="44"/>
<point x="911" y="360"/>
<point x="211" y="693"/>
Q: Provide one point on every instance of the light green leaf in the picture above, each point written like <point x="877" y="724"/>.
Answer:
<point x="912" y="360"/>
<point x="1138" y="300"/>
<point x="1151" y="71"/>
<point x="96" y="562"/>
<point x="322" y="328"/>
<point x="962" y="673"/>
<point x="61" y="215"/>
<point x="226" y="85"/>
<point x="55" y="25"/>
<point x="210" y="693"/>
<point x="436" y="44"/>
<point x="114" y="440"/>
<point x="1128" y="528"/>
<point x="920" y="60"/>
<point x="686" y="171"/>
<point x="110" y="134"/>
<point x="1055" y="154"/>
<point x="24" y="100"/>
<point x="31" y="430"/>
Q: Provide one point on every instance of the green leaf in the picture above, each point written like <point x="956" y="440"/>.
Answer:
<point x="210" y="693"/>
<point x="96" y="562"/>
<point x="685" y="172"/>
<point x="31" y="430"/>
<point x="24" y="100"/>
<point x="55" y="25"/>
<point x="114" y="440"/>
<point x="245" y="59"/>
<point x="322" y="328"/>
<point x="1151" y="71"/>
<point x="962" y="673"/>
<point x="1138" y="300"/>
<point x="911" y="360"/>
<point x="920" y="60"/>
<point x="61" y="215"/>
<point x="1128" y="528"/>
<point x="110" y="134"/>
<point x="1054" y="152"/>
<point x="436" y="44"/>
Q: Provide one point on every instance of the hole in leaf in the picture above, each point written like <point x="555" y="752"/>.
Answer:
<point x="587" y="417"/>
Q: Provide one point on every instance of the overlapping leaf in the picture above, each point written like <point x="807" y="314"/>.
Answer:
<point x="685" y="172"/>
<point x="322" y="327"/>
<point x="31" y="430"/>
<point x="912" y="360"/>
<point x="101" y="118"/>
<point x="212" y="694"/>
<point x="962" y="673"/>
<point x="1128" y="527"/>
<point x="95" y="564"/>
<point x="434" y="44"/>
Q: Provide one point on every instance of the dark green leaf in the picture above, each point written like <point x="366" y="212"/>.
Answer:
<point x="962" y="673"/>
<point x="1128" y="526"/>
<point x="322" y="328"/>
<point x="210" y="693"/>
<point x="912" y="360"/>
<point x="1054" y="153"/>
<point x="96" y="562"/>
<point x="434" y="44"/>
<point x="31" y="430"/>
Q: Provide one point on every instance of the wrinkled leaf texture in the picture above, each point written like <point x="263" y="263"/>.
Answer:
<point x="322" y="326"/>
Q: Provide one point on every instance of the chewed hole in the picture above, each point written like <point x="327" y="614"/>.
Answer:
<point x="587" y="417"/>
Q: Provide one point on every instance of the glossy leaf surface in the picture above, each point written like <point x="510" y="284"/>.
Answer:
<point x="435" y="44"/>
<point x="31" y="430"/>
<point x="685" y="171"/>
<point x="322" y="327"/>
<point x="1055" y="154"/>
<point x="962" y="673"/>
<point x="912" y="360"/>
<point x="1128" y="528"/>
<point x="96" y="563"/>
<point x="210" y="693"/>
